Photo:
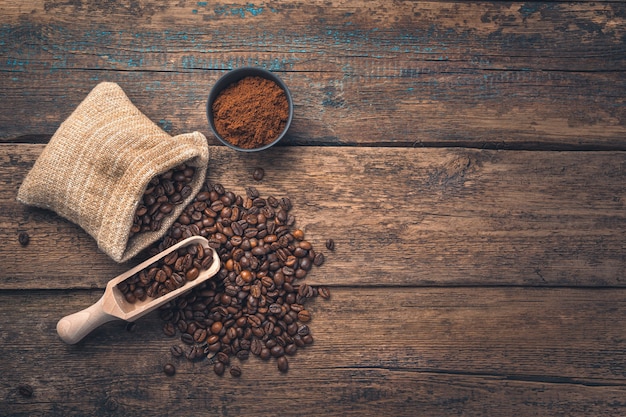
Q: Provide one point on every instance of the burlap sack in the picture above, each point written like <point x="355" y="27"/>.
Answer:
<point x="97" y="166"/>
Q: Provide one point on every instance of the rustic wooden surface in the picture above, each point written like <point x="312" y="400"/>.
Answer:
<point x="468" y="159"/>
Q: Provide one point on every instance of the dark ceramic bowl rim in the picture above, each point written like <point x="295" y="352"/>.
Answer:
<point x="234" y="76"/>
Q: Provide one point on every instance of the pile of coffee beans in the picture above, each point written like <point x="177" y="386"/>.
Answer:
<point x="162" y="194"/>
<point x="256" y="303"/>
<point x="167" y="274"/>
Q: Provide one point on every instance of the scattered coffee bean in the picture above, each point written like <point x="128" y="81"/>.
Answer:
<point x="319" y="259"/>
<point x="330" y="244"/>
<point x="323" y="292"/>
<point x="283" y="364"/>
<point x="169" y="369"/>
<point x="255" y="303"/>
<point x="169" y="330"/>
<point x="23" y="238"/>
<point x="235" y="371"/>
<point x="223" y="357"/>
<point x="176" y="351"/>
<point x="258" y="174"/>
<point x="25" y="390"/>
<point x="219" y="368"/>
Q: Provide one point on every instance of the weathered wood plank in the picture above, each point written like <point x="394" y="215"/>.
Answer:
<point x="398" y="216"/>
<point x="472" y="351"/>
<point x="462" y="73"/>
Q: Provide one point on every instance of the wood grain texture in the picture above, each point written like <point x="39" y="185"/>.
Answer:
<point x="470" y="351"/>
<point x="489" y="74"/>
<point x="398" y="216"/>
<point x="467" y="157"/>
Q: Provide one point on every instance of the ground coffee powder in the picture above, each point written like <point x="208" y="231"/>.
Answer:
<point x="251" y="113"/>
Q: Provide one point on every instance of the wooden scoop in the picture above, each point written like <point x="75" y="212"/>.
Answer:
<point x="113" y="305"/>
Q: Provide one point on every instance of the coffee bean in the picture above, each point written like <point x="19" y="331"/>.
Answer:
<point x="216" y="327"/>
<point x="258" y="174"/>
<point x="303" y="330"/>
<point x="319" y="259"/>
<point x="256" y="346"/>
<point x="291" y="349"/>
<point x="277" y="351"/>
<point x="265" y="354"/>
<point x="323" y="292"/>
<point x="330" y="244"/>
<point x="223" y="357"/>
<point x="169" y="329"/>
<point x="25" y="390"/>
<point x="283" y="364"/>
<point x="219" y="368"/>
<point x="23" y="238"/>
<point x="200" y="335"/>
<point x="169" y="369"/>
<point x="176" y="351"/>
<point x="235" y="371"/>
<point x="304" y="316"/>
<point x="187" y="338"/>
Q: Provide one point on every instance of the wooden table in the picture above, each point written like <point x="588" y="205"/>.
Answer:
<point x="467" y="158"/>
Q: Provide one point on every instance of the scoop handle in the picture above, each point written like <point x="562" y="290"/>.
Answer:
<point x="75" y="327"/>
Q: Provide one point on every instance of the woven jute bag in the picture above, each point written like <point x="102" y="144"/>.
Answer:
<point x="98" y="164"/>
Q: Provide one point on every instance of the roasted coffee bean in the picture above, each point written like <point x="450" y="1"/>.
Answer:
<point x="187" y="338"/>
<point x="194" y="352"/>
<point x="243" y="355"/>
<point x="304" y="316"/>
<point x="291" y="349"/>
<point x="330" y="244"/>
<point x="217" y="327"/>
<point x="258" y="174"/>
<point x="169" y="369"/>
<point x="265" y="354"/>
<point x="219" y="368"/>
<point x="169" y="329"/>
<point x="303" y="330"/>
<point x="25" y="390"/>
<point x="200" y="335"/>
<point x="323" y="292"/>
<point x="319" y="259"/>
<point x="283" y="364"/>
<point x="223" y="357"/>
<point x="176" y="351"/>
<point x="235" y="371"/>
<point x="23" y="238"/>
<point x="277" y="351"/>
<point x="256" y="346"/>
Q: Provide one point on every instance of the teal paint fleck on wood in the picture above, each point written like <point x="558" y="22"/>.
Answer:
<point x="239" y="11"/>
<point x="166" y="125"/>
